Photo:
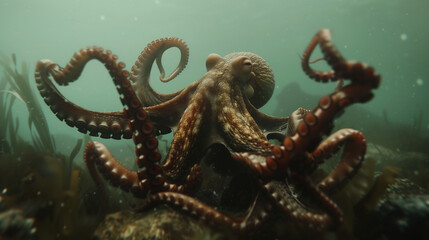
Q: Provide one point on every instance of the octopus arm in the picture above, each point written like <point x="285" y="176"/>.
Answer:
<point x="183" y="145"/>
<point x="140" y="72"/>
<point x="108" y="124"/>
<point x="170" y="112"/>
<point x="103" y="124"/>
<point x="187" y="204"/>
<point x="149" y="97"/>
<point x="283" y="194"/>
<point x="97" y="155"/>
<point x="239" y="129"/>
<point x="268" y="124"/>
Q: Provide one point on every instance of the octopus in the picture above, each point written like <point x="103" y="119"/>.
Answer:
<point x="220" y="108"/>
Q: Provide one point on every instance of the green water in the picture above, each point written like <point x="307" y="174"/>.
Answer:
<point x="391" y="35"/>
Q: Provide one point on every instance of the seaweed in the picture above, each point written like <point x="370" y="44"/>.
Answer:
<point x="10" y="141"/>
<point x="71" y="158"/>
<point x="374" y="196"/>
<point x="5" y="119"/>
<point x="45" y="185"/>
<point x="20" y="88"/>
<point x="39" y="185"/>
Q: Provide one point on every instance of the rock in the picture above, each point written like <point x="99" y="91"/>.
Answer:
<point x="402" y="189"/>
<point x="404" y="218"/>
<point x="402" y="213"/>
<point x="414" y="165"/>
<point x="14" y="225"/>
<point x="159" y="223"/>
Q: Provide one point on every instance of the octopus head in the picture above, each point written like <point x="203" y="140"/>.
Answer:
<point x="239" y="68"/>
<point x="255" y="75"/>
<point x="252" y="72"/>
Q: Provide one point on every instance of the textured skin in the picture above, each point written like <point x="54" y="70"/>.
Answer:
<point x="300" y="153"/>
<point x="220" y="107"/>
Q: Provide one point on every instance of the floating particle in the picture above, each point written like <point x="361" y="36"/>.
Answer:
<point x="403" y="37"/>
<point x="136" y="19"/>
<point x="419" y="82"/>
<point x="4" y="191"/>
<point x="102" y="17"/>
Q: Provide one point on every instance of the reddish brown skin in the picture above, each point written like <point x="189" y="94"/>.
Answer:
<point x="223" y="99"/>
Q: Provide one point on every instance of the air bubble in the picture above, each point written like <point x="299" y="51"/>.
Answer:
<point x="419" y="82"/>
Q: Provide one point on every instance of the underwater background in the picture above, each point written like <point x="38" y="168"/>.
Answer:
<point x="390" y="35"/>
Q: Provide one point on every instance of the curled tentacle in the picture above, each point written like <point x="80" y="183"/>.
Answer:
<point x="103" y="124"/>
<point x="72" y="71"/>
<point x="305" y="63"/>
<point x="140" y="72"/>
<point x="353" y="155"/>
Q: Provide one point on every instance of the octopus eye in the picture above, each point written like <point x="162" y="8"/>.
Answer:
<point x="247" y="63"/>
<point x="247" y="66"/>
<point x="242" y="68"/>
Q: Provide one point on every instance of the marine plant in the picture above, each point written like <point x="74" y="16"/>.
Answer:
<point x="19" y="88"/>
<point x="44" y="184"/>
<point x="4" y="145"/>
